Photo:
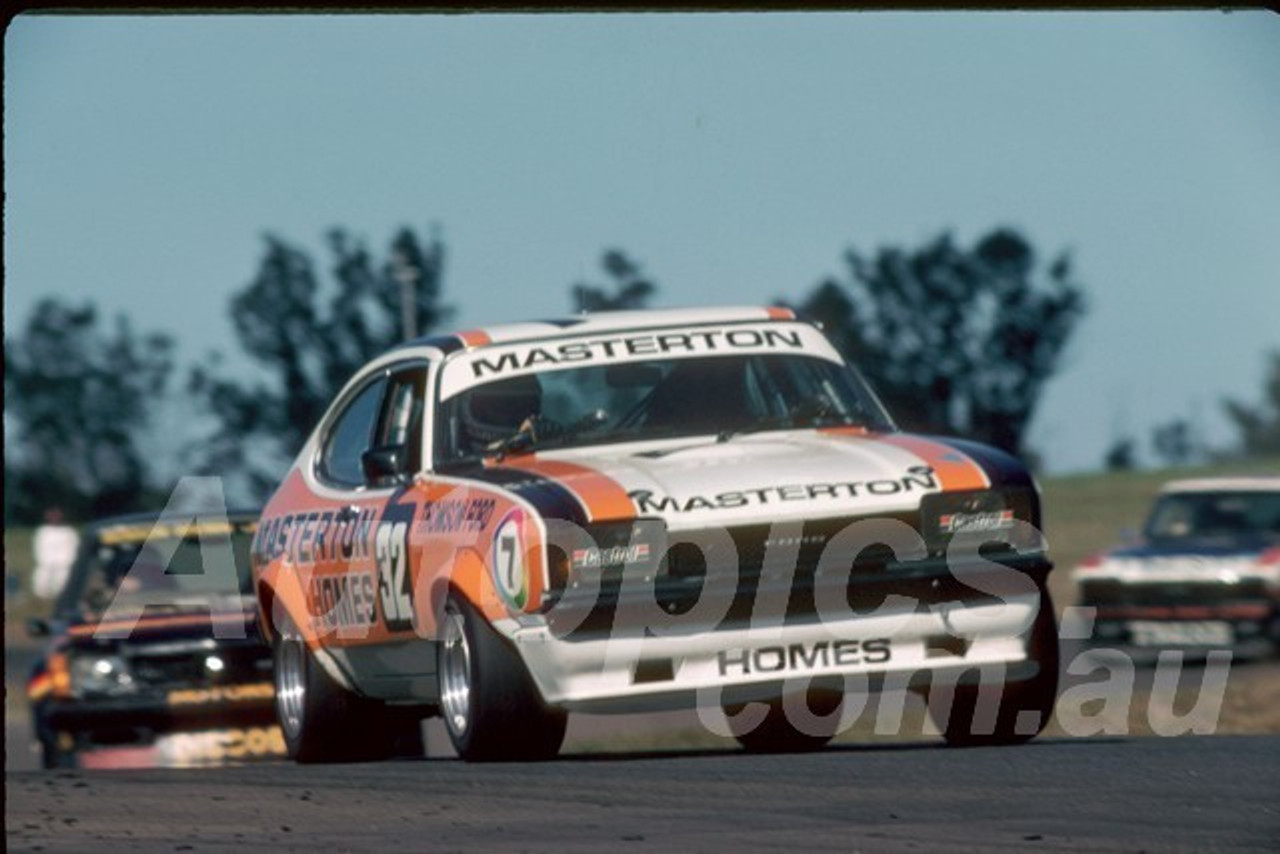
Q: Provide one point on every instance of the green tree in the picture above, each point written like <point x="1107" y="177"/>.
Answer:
<point x="1259" y="426"/>
<point x="955" y="340"/>
<point x="78" y="399"/>
<point x="307" y="338"/>
<point x="1121" y="455"/>
<point x="627" y="286"/>
<point x="1174" y="442"/>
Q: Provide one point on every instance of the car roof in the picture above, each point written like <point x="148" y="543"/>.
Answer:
<point x="604" y="321"/>
<point x="133" y="520"/>
<point x="1254" y="483"/>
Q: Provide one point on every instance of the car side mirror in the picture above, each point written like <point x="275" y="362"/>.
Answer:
<point x="38" y="627"/>
<point x="382" y="463"/>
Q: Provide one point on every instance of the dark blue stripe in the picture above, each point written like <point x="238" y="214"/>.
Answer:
<point x="550" y="499"/>
<point x="1001" y="468"/>
<point x="444" y="343"/>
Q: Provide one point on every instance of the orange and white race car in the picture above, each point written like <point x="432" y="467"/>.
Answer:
<point x="629" y="511"/>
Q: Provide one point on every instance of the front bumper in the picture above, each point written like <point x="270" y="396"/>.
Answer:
<point x="1246" y="628"/>
<point x="142" y="721"/>
<point x="1191" y="614"/>
<point x="940" y="626"/>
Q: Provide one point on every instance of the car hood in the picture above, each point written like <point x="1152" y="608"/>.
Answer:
<point x="221" y="621"/>
<point x="1251" y="545"/>
<point x="749" y="479"/>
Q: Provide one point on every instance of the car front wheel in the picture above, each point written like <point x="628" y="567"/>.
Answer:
<point x="491" y="708"/>
<point x="1022" y="710"/>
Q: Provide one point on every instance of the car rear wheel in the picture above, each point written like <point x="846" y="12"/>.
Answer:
<point x="777" y="732"/>
<point x="1024" y="708"/>
<point x="52" y="756"/>
<point x="324" y="722"/>
<point x="491" y="708"/>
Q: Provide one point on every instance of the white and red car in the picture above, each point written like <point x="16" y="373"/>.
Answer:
<point x="1204" y="575"/>
<point x="641" y="510"/>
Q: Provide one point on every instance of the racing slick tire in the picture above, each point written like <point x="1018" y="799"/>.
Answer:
<point x="1024" y="708"/>
<point x="323" y="721"/>
<point x="491" y="708"/>
<point x="777" y="733"/>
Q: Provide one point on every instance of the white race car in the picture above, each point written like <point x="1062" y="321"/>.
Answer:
<point x="634" y="511"/>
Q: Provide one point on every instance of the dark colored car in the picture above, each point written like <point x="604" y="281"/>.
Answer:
<point x="1205" y="575"/>
<point x="155" y="658"/>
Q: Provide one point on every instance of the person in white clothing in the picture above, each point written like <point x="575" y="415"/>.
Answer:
<point x="55" y="548"/>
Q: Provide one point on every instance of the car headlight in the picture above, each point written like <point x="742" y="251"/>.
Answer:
<point x="102" y="675"/>
<point x="603" y="551"/>
<point x="991" y="515"/>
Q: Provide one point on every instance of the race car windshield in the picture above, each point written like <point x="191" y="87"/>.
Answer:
<point x="132" y="572"/>
<point x="1243" y="514"/>
<point x="722" y="396"/>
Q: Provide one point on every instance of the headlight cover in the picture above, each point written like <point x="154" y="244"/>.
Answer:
<point x="603" y="550"/>
<point x="985" y="515"/>
<point x="101" y="675"/>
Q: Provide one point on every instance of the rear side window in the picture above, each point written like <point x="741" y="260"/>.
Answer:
<point x="400" y="427"/>
<point x="350" y="435"/>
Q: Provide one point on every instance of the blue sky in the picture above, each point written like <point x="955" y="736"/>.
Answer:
<point x="735" y="156"/>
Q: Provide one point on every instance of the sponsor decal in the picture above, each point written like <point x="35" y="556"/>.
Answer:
<point x="315" y="537"/>
<point x="610" y="558"/>
<point x="918" y="478"/>
<point x="982" y="522"/>
<point x="801" y="656"/>
<point x="652" y="344"/>
<point x="510" y="574"/>
<point x="452" y="515"/>
<point x="197" y="748"/>
<point x="221" y="694"/>
<point x="342" y="601"/>
<point x="498" y="362"/>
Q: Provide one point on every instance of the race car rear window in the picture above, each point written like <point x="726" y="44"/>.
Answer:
<point x="1215" y="514"/>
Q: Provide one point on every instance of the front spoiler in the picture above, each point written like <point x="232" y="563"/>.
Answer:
<point x="627" y="671"/>
<point x="151" y="713"/>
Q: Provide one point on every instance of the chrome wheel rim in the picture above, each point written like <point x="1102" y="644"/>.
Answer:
<point x="291" y="686"/>
<point x="455" y="672"/>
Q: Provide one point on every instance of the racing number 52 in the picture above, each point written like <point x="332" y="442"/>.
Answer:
<point x="392" y="554"/>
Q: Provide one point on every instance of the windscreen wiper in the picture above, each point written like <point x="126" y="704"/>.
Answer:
<point x="814" y="412"/>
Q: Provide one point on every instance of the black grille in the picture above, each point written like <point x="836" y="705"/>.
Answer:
<point x="1111" y="592"/>
<point x="187" y="667"/>
<point x="782" y="570"/>
<point x="801" y="545"/>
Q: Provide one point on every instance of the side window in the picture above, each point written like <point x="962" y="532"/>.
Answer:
<point x="350" y="436"/>
<point x="400" y="427"/>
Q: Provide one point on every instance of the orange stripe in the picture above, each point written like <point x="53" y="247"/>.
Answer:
<point x="954" y="469"/>
<point x="777" y="312"/>
<point x="603" y="496"/>
<point x="475" y="337"/>
<point x="153" y="623"/>
<point x="845" y="430"/>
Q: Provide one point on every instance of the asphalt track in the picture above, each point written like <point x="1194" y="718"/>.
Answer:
<point x="1199" y="794"/>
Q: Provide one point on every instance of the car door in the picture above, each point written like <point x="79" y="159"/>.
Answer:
<point x="359" y="592"/>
